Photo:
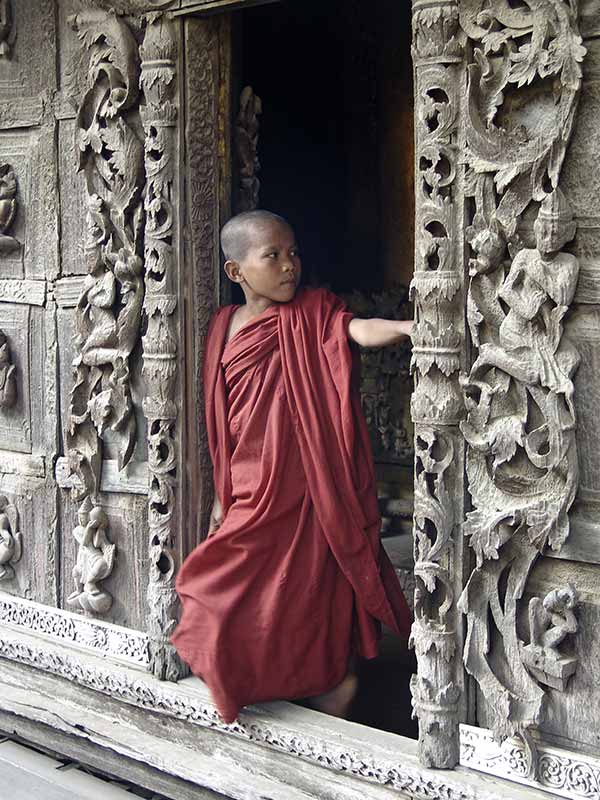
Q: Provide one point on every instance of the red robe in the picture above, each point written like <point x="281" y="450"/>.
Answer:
<point x="295" y="579"/>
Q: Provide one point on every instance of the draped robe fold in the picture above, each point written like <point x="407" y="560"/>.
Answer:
<point x="295" y="578"/>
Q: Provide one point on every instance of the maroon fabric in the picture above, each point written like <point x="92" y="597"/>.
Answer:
<point x="295" y="579"/>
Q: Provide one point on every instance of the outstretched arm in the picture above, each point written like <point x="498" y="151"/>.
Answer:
<point x="377" y="332"/>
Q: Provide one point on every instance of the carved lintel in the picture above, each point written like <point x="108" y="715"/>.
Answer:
<point x="8" y="208"/>
<point x="95" y="561"/>
<point x="11" y="539"/>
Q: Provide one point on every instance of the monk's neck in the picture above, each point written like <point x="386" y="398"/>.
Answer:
<point x="252" y="308"/>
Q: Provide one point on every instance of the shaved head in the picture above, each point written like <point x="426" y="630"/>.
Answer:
<point x="236" y="235"/>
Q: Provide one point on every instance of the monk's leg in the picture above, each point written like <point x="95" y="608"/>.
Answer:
<point x="338" y="700"/>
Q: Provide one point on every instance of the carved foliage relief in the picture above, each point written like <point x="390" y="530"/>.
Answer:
<point x="523" y="85"/>
<point x="437" y="290"/>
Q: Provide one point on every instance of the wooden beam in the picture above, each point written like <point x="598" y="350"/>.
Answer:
<point x="205" y="7"/>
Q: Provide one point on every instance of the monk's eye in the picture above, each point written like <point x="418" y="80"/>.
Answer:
<point x="295" y="253"/>
<point x="271" y="255"/>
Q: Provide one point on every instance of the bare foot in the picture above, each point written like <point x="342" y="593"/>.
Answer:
<point x="337" y="702"/>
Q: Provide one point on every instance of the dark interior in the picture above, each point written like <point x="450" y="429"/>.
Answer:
<point x="336" y="153"/>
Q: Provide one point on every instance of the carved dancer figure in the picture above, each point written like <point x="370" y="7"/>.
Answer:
<point x="292" y="581"/>
<point x="8" y="207"/>
<point x="8" y="378"/>
<point x="550" y="621"/>
<point x="11" y="540"/>
<point x="95" y="560"/>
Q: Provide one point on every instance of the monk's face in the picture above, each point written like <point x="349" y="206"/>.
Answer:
<point x="271" y="266"/>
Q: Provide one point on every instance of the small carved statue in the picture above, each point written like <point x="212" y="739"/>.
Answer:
<point x="5" y="27"/>
<point x="95" y="560"/>
<point x="8" y="207"/>
<point x="8" y="383"/>
<point x="11" y="548"/>
<point x="550" y="621"/>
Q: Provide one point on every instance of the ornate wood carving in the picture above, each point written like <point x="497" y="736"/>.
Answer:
<point x="437" y="357"/>
<point x="247" y="128"/>
<point x="95" y="560"/>
<point x="159" y="116"/>
<point x="8" y="378"/>
<point x="109" y="309"/>
<point x="520" y="426"/>
<point x="8" y="208"/>
<point x="11" y="539"/>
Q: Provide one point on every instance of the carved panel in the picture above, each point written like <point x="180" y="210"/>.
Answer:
<point x="108" y="314"/>
<point x="16" y="417"/>
<point x="27" y="49"/>
<point x="246" y="132"/>
<point x="524" y="80"/>
<point x="30" y="154"/>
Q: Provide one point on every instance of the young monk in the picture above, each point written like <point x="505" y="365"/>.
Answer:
<point x="292" y="582"/>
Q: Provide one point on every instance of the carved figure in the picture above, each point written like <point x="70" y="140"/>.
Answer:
<point x="246" y="141"/>
<point x="95" y="560"/>
<point x="8" y="382"/>
<point x="11" y="540"/>
<point x="550" y="621"/>
<point x="8" y="208"/>
<point x="6" y="21"/>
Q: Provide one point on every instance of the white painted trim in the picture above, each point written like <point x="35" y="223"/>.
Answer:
<point x="102" y="638"/>
<point x="561" y="772"/>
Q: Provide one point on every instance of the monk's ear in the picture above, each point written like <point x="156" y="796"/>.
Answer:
<point x="232" y="269"/>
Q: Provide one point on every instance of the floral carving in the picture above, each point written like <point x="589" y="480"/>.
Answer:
<point x="6" y="26"/>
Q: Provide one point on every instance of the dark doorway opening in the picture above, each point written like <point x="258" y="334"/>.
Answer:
<point x="337" y="160"/>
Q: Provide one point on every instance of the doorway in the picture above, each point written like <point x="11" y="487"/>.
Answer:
<point x="337" y="160"/>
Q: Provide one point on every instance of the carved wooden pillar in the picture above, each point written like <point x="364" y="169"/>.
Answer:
<point x="438" y="355"/>
<point x="159" y="116"/>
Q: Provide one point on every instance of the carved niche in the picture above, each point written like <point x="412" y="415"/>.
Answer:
<point x="523" y="86"/>
<point x="8" y="208"/>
